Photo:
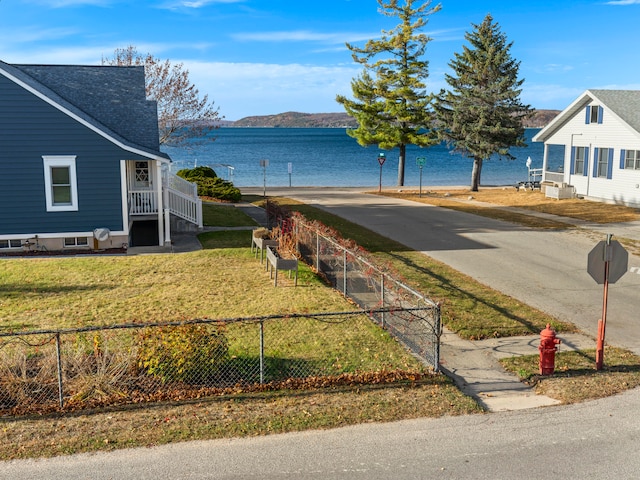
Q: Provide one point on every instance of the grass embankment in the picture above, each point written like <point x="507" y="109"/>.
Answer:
<point x="475" y="311"/>
<point x="469" y="308"/>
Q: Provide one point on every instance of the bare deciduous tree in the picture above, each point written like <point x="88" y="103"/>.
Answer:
<point x="179" y="101"/>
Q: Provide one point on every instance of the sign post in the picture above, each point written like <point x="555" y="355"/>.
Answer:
<point x="420" y="161"/>
<point x="381" y="159"/>
<point x="264" y="163"/>
<point x="606" y="263"/>
<point x="290" y="169"/>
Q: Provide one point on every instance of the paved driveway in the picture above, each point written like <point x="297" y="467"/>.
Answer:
<point x="545" y="269"/>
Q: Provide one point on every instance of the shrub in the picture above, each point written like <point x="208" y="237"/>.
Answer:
<point x="218" y="188"/>
<point x="195" y="173"/>
<point x="187" y="353"/>
<point x="210" y="185"/>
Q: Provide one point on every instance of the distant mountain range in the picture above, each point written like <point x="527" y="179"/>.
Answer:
<point x="341" y="120"/>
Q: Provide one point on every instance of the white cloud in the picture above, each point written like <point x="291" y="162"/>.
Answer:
<point x="72" y="3"/>
<point x="545" y="96"/>
<point x="242" y="89"/>
<point x="34" y="34"/>
<point x="302" y="36"/>
<point x="623" y="2"/>
<point x="173" y="5"/>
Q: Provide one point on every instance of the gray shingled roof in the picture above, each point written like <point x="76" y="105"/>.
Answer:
<point x="624" y="103"/>
<point x="110" y="98"/>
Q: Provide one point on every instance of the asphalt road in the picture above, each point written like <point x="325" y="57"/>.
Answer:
<point x="599" y="439"/>
<point x="544" y="269"/>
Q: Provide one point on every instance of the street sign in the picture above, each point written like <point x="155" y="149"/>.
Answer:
<point x="615" y="254"/>
<point x="421" y="161"/>
<point x="606" y="263"/>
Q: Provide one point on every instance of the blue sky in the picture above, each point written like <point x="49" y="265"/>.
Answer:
<point x="258" y="57"/>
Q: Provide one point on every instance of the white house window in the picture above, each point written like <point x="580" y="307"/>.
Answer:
<point x="603" y="163"/>
<point x="76" y="242"/>
<point x="579" y="160"/>
<point x="61" y="189"/>
<point x="632" y="159"/>
<point x="594" y="114"/>
<point x="142" y="177"/>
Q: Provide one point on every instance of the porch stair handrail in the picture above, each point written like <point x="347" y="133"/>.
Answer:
<point x="183" y="200"/>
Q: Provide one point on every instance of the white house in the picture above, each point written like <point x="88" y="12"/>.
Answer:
<point x="600" y="133"/>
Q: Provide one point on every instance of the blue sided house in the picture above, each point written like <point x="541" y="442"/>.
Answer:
<point x="81" y="162"/>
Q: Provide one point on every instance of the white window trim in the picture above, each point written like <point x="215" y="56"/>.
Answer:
<point x="60" y="161"/>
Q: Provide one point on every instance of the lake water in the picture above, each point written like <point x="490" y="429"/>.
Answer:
<point x="329" y="157"/>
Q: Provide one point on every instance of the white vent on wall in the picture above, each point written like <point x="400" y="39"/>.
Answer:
<point x="101" y="234"/>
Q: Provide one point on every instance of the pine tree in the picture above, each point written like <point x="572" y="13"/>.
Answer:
<point x="482" y="114"/>
<point x="390" y="101"/>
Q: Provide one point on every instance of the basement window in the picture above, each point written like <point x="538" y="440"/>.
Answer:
<point x="11" y="243"/>
<point x="76" y="242"/>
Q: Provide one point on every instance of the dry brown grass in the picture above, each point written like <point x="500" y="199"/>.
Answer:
<point x="575" y="378"/>
<point x="230" y="416"/>
<point x="535" y="201"/>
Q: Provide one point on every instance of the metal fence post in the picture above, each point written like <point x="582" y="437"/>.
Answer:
<point x="438" y="325"/>
<point x="317" y="252"/>
<point x="59" y="362"/>
<point x="382" y="298"/>
<point x="344" y="271"/>
<point x="261" y="352"/>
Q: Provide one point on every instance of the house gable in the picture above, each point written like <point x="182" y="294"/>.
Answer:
<point x="30" y="130"/>
<point x="116" y="112"/>
<point x="115" y="96"/>
<point x="600" y="133"/>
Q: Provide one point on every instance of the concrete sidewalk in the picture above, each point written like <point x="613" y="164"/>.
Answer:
<point x="474" y="367"/>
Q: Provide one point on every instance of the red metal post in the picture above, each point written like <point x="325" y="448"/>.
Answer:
<point x="602" y="323"/>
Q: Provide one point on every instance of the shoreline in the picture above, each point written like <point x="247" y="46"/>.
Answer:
<point x="371" y="188"/>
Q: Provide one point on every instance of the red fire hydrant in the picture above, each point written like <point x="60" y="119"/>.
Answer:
<point x="548" y="347"/>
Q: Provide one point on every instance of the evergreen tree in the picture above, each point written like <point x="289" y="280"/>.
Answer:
<point x="482" y="114"/>
<point x="390" y="101"/>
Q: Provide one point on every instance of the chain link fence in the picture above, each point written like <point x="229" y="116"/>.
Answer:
<point x="44" y="371"/>
<point x="409" y="316"/>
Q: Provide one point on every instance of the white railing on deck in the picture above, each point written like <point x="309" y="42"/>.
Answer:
<point x="185" y="206"/>
<point x="181" y="198"/>
<point x="555" y="177"/>
<point x="143" y="202"/>
<point x="181" y="185"/>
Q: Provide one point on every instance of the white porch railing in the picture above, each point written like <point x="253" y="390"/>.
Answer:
<point x="185" y="207"/>
<point x="143" y="202"/>
<point x="179" y="184"/>
<point x="181" y="199"/>
<point x="555" y="177"/>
